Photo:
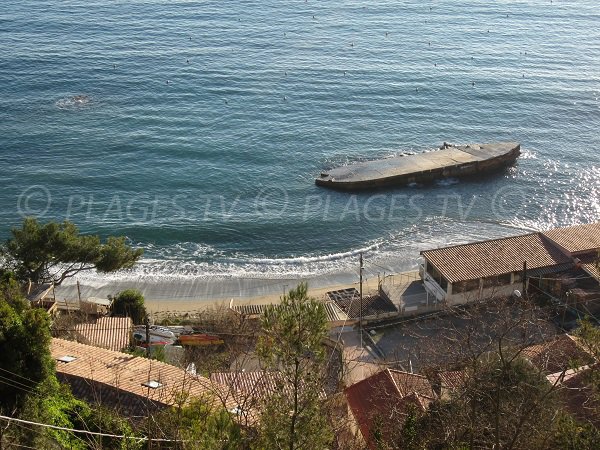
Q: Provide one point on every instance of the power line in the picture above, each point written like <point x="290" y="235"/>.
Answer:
<point x="21" y="445"/>
<point x="15" y="386"/>
<point x="17" y="375"/>
<point x="94" y="433"/>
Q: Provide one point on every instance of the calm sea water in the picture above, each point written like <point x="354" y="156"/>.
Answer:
<point x="200" y="126"/>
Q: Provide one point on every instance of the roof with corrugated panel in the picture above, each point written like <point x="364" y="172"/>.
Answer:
<point x="495" y="257"/>
<point x="578" y="238"/>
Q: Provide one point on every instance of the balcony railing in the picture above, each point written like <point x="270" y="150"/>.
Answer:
<point x="432" y="286"/>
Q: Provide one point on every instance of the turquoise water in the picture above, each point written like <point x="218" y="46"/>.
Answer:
<point x="202" y="124"/>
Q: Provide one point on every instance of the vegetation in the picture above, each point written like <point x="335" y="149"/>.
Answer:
<point x="502" y="401"/>
<point x="293" y="417"/>
<point x="55" y="405"/>
<point x="53" y="252"/>
<point x="130" y="303"/>
<point x="199" y="426"/>
<point x="504" y="404"/>
<point x="30" y="390"/>
<point x="25" y="360"/>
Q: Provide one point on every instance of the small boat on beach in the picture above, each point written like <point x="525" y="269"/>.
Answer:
<point x="156" y="330"/>
<point x="140" y="338"/>
<point x="200" y="339"/>
<point x="449" y="161"/>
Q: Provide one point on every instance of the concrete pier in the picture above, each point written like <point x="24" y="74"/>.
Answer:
<point x="447" y="162"/>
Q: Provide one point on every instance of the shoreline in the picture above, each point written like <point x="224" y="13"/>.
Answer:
<point x="189" y="306"/>
<point x="196" y="294"/>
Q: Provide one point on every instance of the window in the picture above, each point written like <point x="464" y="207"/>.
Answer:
<point x="237" y="410"/>
<point x="432" y="271"/>
<point x="465" y="286"/>
<point x="489" y="282"/>
<point x="500" y="280"/>
<point x="152" y="384"/>
<point x="443" y="283"/>
<point x="66" y="358"/>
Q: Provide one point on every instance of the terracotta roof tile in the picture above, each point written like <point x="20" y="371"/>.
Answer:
<point x="113" y="333"/>
<point x="557" y="354"/>
<point x="590" y="264"/>
<point x="452" y="379"/>
<point x="247" y="389"/>
<point x="386" y="396"/>
<point x="410" y="382"/>
<point x="495" y="257"/>
<point x="116" y="378"/>
<point x="578" y="394"/>
<point x="578" y="238"/>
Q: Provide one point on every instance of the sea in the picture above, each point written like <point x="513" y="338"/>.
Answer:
<point x="196" y="129"/>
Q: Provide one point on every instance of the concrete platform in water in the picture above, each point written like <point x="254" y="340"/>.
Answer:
<point x="447" y="162"/>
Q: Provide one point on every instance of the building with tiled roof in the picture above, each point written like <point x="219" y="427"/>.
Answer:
<point x="113" y="333"/>
<point x="577" y="239"/>
<point x="478" y="270"/>
<point x="558" y="354"/>
<point x="132" y="385"/>
<point x="248" y="389"/>
<point x="383" y="398"/>
<point x="578" y="394"/>
<point x="248" y="384"/>
<point x="590" y="263"/>
<point x="446" y="382"/>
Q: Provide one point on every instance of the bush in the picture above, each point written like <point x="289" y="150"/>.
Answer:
<point x="130" y="303"/>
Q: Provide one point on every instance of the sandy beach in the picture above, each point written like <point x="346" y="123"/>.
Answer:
<point x="183" y="306"/>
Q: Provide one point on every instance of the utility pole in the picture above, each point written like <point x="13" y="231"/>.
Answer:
<point x="360" y="317"/>
<point x="147" y="337"/>
<point x="525" y="279"/>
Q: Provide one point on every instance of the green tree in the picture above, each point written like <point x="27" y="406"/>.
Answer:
<point x="30" y="390"/>
<point x="503" y="404"/>
<point x="293" y="416"/>
<point x="53" y="252"/>
<point x="25" y="359"/>
<point x="590" y="337"/>
<point x="198" y="425"/>
<point x="130" y="303"/>
<point x="573" y="435"/>
<point x="54" y="404"/>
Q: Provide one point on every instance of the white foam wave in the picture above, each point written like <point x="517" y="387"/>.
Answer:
<point x="246" y="276"/>
<point x="398" y="251"/>
<point x="73" y="102"/>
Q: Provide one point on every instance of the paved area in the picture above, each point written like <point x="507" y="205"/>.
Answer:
<point x="445" y="338"/>
<point x="360" y="360"/>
